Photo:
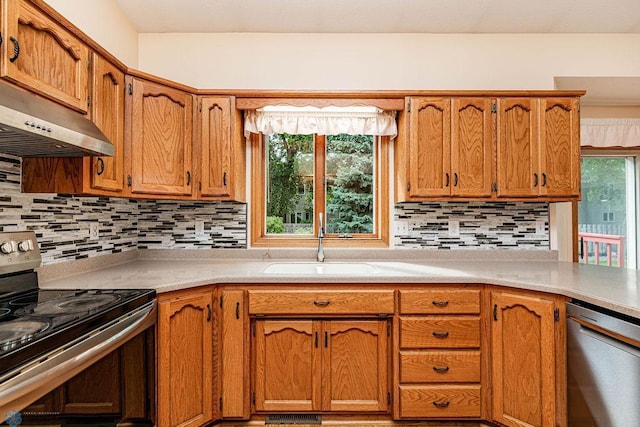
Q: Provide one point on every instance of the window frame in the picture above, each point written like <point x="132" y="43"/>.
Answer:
<point x="257" y="223"/>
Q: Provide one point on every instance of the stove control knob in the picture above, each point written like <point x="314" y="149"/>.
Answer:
<point x="6" y="247"/>
<point x="25" y="246"/>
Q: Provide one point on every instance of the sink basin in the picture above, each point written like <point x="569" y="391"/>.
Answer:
<point x="321" y="268"/>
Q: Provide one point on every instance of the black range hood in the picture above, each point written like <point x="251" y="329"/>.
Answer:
<point x="31" y="126"/>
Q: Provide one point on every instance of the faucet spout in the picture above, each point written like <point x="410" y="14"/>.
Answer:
<point x="320" y="254"/>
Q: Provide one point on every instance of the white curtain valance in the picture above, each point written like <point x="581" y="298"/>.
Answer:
<point x="610" y="133"/>
<point x="322" y="121"/>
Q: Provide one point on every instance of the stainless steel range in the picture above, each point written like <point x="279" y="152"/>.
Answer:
<point x="48" y="336"/>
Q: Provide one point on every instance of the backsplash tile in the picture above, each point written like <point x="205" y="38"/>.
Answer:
<point x="61" y="222"/>
<point x="482" y="225"/>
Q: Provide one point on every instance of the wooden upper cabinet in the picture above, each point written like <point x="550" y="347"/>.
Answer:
<point x="185" y="359"/>
<point x="107" y="112"/>
<point x="428" y="148"/>
<point x="41" y="55"/>
<point x="472" y="157"/>
<point x="222" y="149"/>
<point x="527" y="359"/>
<point x="560" y="147"/>
<point x="159" y="139"/>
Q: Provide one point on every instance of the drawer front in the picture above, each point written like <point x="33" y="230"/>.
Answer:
<point x="321" y="302"/>
<point x="440" y="301"/>
<point x="440" y="332"/>
<point x="440" y="366"/>
<point x="440" y="401"/>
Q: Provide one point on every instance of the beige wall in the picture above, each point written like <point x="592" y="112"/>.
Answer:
<point x="104" y="22"/>
<point x="613" y="112"/>
<point x="385" y="61"/>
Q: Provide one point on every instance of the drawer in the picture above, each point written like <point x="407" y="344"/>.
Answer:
<point x="440" y="332"/>
<point x="321" y="302"/>
<point x="440" y="366"/>
<point x="457" y="401"/>
<point x="440" y="301"/>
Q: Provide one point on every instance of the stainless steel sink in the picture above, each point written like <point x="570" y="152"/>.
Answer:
<point x="321" y="268"/>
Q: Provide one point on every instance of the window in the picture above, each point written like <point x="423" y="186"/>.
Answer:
<point x="298" y="177"/>
<point x="608" y="217"/>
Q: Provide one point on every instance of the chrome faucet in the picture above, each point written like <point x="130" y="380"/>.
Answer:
<point x="320" y="255"/>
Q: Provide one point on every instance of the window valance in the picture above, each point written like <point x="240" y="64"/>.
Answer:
<point x="610" y="133"/>
<point x="322" y="121"/>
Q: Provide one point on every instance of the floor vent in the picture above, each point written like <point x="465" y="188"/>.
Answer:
<point x="293" y="419"/>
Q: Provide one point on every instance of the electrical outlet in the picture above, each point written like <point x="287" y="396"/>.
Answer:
<point x="199" y="228"/>
<point x="454" y="228"/>
<point x="401" y="228"/>
<point x="540" y="227"/>
<point x="93" y="231"/>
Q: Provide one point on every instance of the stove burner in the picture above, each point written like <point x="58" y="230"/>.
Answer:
<point x="4" y="312"/>
<point x="19" y="331"/>
<point x="72" y="304"/>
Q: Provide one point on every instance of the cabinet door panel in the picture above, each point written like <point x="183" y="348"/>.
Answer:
<point x="560" y="147"/>
<point x="216" y="147"/>
<point x="430" y="147"/>
<point x="51" y="61"/>
<point x="355" y="366"/>
<point x="518" y="146"/>
<point x="471" y="152"/>
<point x="234" y="368"/>
<point x="81" y="396"/>
<point x="287" y="365"/>
<point x="160" y="139"/>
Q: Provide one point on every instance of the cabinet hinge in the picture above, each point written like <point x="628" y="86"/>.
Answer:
<point x="199" y="185"/>
<point x="494" y="187"/>
<point x="409" y="106"/>
<point x="388" y="398"/>
<point x="200" y="107"/>
<point x="220" y="302"/>
<point x="129" y="180"/>
<point x="89" y="62"/>
<point x="494" y="107"/>
<point x="88" y="101"/>
<point x="556" y="314"/>
<point x="254" y="330"/>
<point x="130" y="89"/>
<point x="254" y="398"/>
<point x="220" y="404"/>
<point x="408" y="186"/>
<point x="388" y="329"/>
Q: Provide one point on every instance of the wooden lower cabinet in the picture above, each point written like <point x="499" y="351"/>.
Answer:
<point x="528" y="358"/>
<point x="336" y="365"/>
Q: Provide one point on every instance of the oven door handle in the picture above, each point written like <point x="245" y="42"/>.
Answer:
<point x="23" y="386"/>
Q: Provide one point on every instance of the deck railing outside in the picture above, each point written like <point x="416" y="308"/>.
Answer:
<point x="591" y="245"/>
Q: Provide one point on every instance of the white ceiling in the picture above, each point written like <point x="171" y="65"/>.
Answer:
<point x="384" y="16"/>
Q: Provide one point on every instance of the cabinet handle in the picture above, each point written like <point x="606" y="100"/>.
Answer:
<point x="321" y="303"/>
<point x="224" y="179"/>
<point x="440" y="334"/>
<point x="16" y="49"/>
<point x="455" y="179"/>
<point x="208" y="312"/>
<point x="495" y="312"/>
<point x="237" y="310"/>
<point x="188" y="178"/>
<point x="441" y="404"/>
<point x="326" y="339"/>
<point x="441" y="370"/>
<point x="535" y="179"/>
<point x="544" y="179"/>
<point x="100" y="163"/>
<point x="440" y="303"/>
<point x="446" y="184"/>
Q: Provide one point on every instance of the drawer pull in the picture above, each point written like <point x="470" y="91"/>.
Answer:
<point x="440" y="303"/>
<point x="441" y="404"/>
<point x="441" y="370"/>
<point x="321" y="303"/>
<point x="440" y="334"/>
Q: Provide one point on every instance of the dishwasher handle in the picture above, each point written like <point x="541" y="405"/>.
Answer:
<point x="603" y="336"/>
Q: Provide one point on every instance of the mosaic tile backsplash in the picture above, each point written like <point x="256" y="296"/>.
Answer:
<point x="62" y="223"/>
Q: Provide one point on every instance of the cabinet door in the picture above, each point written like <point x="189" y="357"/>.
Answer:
<point x="471" y="148"/>
<point x="216" y="151"/>
<point x="287" y="365"/>
<point x="523" y="360"/>
<point x="429" y="157"/>
<point x="160" y="139"/>
<point x="355" y="365"/>
<point x="518" y="148"/>
<point x="107" y="112"/>
<point x="234" y="369"/>
<point x="185" y="360"/>
<point x="41" y="55"/>
<point x="560" y="147"/>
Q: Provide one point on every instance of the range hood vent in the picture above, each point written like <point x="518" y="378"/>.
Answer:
<point x="31" y="126"/>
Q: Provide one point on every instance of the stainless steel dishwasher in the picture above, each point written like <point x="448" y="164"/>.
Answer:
<point x="603" y="365"/>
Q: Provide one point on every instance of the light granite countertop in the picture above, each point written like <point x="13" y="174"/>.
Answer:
<point x="168" y="270"/>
